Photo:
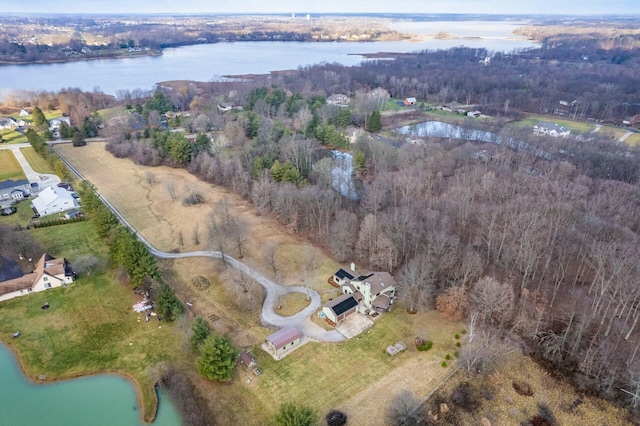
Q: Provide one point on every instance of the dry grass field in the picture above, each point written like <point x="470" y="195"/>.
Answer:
<point x="9" y="166"/>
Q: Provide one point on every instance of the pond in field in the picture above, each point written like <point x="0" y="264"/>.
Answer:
<point x="97" y="400"/>
<point x="438" y="129"/>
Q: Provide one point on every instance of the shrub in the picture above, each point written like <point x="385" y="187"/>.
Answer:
<point x="463" y="397"/>
<point x="428" y="345"/>
<point x="193" y="198"/>
<point x="456" y="354"/>
<point x="444" y="364"/>
<point x="201" y="283"/>
<point x="447" y="357"/>
<point x="522" y="388"/>
<point x="457" y="336"/>
<point x="458" y="344"/>
<point x="464" y="331"/>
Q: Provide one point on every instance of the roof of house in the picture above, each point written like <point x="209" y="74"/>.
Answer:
<point x="7" y="120"/>
<point x="283" y="337"/>
<point x="46" y="265"/>
<point x="551" y="126"/>
<point x="9" y="269"/>
<point x="411" y="100"/>
<point x="378" y="281"/>
<point x="10" y="183"/>
<point x="383" y="301"/>
<point x="49" y="195"/>
<point x="342" y="274"/>
<point x="342" y="304"/>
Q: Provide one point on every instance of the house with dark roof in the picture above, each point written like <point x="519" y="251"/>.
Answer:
<point x="550" y="129"/>
<point x="15" y="190"/>
<point x="49" y="273"/>
<point x="247" y="360"/>
<point x="373" y="292"/>
<point x="283" y="341"/>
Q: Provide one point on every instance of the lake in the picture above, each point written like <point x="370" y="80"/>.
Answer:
<point x="96" y="400"/>
<point x="206" y="62"/>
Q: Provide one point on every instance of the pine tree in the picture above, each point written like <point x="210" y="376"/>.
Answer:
<point x="38" y="117"/>
<point x="217" y="359"/>
<point x="374" y="122"/>
<point x="167" y="304"/>
<point x="201" y="331"/>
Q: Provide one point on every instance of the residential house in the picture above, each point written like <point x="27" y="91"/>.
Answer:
<point x="16" y="190"/>
<point x="410" y="101"/>
<point x="474" y="114"/>
<point x="550" y="129"/>
<point x="371" y="293"/>
<point x="338" y="99"/>
<point x="54" y="200"/>
<point x="283" y="340"/>
<point x="24" y="113"/>
<point x="48" y="273"/>
<point x="8" y="123"/>
<point x="56" y="123"/>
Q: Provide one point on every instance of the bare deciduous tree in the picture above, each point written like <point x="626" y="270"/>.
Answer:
<point x="170" y="187"/>
<point x="416" y="285"/>
<point x="402" y="409"/>
<point x="494" y="300"/>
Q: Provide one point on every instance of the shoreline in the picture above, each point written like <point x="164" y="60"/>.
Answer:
<point x="137" y="386"/>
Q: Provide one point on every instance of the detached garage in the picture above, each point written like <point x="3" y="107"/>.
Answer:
<point x="341" y="307"/>
<point x="283" y="340"/>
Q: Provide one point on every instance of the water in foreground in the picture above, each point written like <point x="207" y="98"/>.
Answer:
<point x="97" y="400"/>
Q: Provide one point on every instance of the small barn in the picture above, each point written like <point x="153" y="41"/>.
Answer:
<point x="247" y="360"/>
<point x="341" y="307"/>
<point x="283" y="340"/>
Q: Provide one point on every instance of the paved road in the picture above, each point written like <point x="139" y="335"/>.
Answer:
<point x="273" y="290"/>
<point x="43" y="179"/>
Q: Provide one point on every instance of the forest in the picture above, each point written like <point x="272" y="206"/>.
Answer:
<point x="540" y="254"/>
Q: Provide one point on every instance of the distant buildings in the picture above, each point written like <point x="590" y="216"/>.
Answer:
<point x="551" y="129"/>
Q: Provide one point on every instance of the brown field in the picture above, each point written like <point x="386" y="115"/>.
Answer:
<point x="9" y="166"/>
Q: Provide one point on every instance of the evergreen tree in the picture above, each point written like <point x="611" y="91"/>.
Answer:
<point x="167" y="304"/>
<point x="290" y="414"/>
<point x="374" y="122"/>
<point x="217" y="359"/>
<point x="38" y="117"/>
<point x="201" y="331"/>
<point x="78" y="139"/>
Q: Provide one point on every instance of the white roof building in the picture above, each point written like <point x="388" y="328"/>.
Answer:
<point x="54" y="200"/>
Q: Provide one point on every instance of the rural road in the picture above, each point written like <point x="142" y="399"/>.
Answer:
<point x="44" y="180"/>
<point x="273" y="290"/>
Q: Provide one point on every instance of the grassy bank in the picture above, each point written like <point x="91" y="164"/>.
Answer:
<point x="90" y="327"/>
<point x="9" y="167"/>
<point x="38" y="163"/>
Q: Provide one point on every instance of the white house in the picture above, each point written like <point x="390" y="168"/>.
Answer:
<point x="55" y="123"/>
<point x="48" y="273"/>
<point x="338" y="99"/>
<point x="24" y="113"/>
<point x="54" y="200"/>
<point x="550" y="129"/>
<point x="8" y="123"/>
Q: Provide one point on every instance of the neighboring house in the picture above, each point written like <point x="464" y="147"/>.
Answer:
<point x="8" y="123"/>
<point x="338" y="99"/>
<point x="16" y="190"/>
<point x="550" y="129"/>
<point x="24" y="113"/>
<point x="54" y="200"/>
<point x="49" y="273"/>
<point x="55" y="123"/>
<point x="371" y="293"/>
<point x="283" y="340"/>
<point x="410" y="101"/>
<point x="474" y="114"/>
<point x="227" y="106"/>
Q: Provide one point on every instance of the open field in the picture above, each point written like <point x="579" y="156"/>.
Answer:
<point x="633" y="140"/>
<point x="506" y="407"/>
<point x="575" y="126"/>
<point x="12" y="137"/>
<point x="90" y="327"/>
<point x="38" y="163"/>
<point x="9" y="166"/>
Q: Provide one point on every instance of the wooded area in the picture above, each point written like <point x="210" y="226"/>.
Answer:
<point x="538" y="252"/>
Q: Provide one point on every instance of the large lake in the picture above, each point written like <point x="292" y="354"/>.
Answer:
<point x="207" y="62"/>
<point x="98" y="400"/>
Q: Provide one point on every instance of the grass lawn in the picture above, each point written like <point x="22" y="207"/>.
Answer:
<point x="90" y="327"/>
<point x="12" y="137"/>
<point x="633" y="140"/>
<point x="574" y="126"/>
<point x="9" y="166"/>
<point x="38" y="163"/>
<point x="293" y="303"/>
<point x="22" y="216"/>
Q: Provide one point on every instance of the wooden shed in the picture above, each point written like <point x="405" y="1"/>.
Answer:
<point x="283" y="340"/>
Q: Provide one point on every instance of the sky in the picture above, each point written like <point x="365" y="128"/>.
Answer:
<point x="525" y="7"/>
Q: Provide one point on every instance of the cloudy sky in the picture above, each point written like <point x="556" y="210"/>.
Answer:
<point x="335" y="6"/>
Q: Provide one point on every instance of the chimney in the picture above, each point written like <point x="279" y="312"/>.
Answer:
<point x="353" y="266"/>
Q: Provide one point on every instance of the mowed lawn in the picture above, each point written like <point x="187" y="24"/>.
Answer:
<point x="38" y="163"/>
<point x="12" y="137"/>
<point x="575" y="126"/>
<point x="9" y="166"/>
<point x="90" y="327"/>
